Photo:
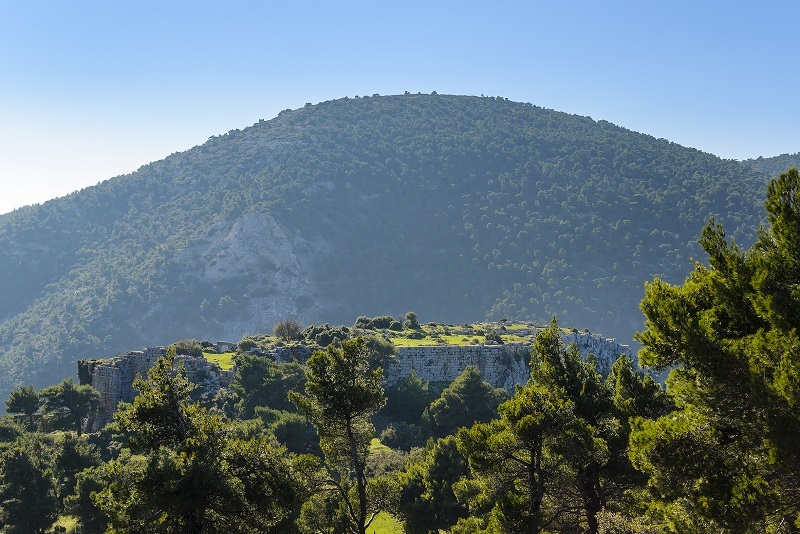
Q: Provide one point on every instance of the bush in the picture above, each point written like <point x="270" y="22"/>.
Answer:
<point x="382" y="321"/>
<point x="492" y="335"/>
<point x="246" y="344"/>
<point x="329" y="335"/>
<point x="406" y="400"/>
<point x="379" y="322"/>
<point x="188" y="347"/>
<point x="411" y="322"/>
<point x="292" y="430"/>
<point x="363" y="322"/>
<point x="288" y="329"/>
<point x="402" y="435"/>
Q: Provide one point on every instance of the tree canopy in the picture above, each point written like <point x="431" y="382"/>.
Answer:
<point x="342" y="393"/>
<point x="727" y="458"/>
<point x="500" y="209"/>
<point x="191" y="473"/>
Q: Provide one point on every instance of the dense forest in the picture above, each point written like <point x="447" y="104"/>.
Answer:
<point x="456" y="207"/>
<point x="775" y="165"/>
<point x="291" y="446"/>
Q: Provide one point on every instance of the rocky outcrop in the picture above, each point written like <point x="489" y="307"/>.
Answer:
<point x="257" y="256"/>
<point x="605" y="350"/>
<point x="113" y="377"/>
<point x="501" y="365"/>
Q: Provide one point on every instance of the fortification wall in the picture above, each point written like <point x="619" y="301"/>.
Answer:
<point x="113" y="377"/>
<point x="501" y="365"/>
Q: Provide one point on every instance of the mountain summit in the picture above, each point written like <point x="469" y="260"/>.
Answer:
<point x="458" y="208"/>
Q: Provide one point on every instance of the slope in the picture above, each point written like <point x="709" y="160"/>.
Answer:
<point x="456" y="207"/>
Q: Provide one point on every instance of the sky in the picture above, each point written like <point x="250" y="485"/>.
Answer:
<point x="92" y="90"/>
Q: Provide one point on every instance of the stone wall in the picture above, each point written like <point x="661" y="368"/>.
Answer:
<point x="113" y="377"/>
<point x="501" y="365"/>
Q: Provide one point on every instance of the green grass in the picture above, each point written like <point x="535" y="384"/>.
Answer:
<point x="454" y="339"/>
<point x="70" y="523"/>
<point x="406" y="342"/>
<point x="376" y="446"/>
<point x="385" y="524"/>
<point x="514" y="338"/>
<point x="224" y="360"/>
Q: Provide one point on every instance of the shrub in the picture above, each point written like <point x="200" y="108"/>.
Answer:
<point x="492" y="335"/>
<point x="363" y="322"/>
<point x="288" y="329"/>
<point x="411" y="321"/>
<point x="188" y="347"/>
<point x="381" y="322"/>
<point x="246" y="344"/>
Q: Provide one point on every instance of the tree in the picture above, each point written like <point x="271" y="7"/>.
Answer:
<point x="27" y="504"/>
<point x="288" y="329"/>
<point x="556" y="456"/>
<point x="411" y="322"/>
<point x="162" y="414"/>
<point x="260" y="381"/>
<point x="595" y="446"/>
<point x="381" y="351"/>
<point x="192" y="474"/>
<point x="341" y="396"/>
<point x="515" y="459"/>
<point x="80" y="505"/>
<point x="74" y="403"/>
<point x="427" y="501"/>
<point x="727" y="458"/>
<point x="24" y="400"/>
<point x="408" y="398"/>
<point x="10" y="431"/>
<point x="71" y="455"/>
<point x="469" y="399"/>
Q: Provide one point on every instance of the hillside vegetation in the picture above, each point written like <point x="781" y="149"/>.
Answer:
<point x="456" y="207"/>
<point x="324" y="443"/>
<point x="775" y="165"/>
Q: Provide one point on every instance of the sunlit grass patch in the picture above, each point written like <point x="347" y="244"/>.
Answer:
<point x="376" y="446"/>
<point x="69" y="524"/>
<point x="386" y="524"/>
<point x="224" y="360"/>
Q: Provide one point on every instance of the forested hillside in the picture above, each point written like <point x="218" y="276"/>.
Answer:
<point x="457" y="207"/>
<point x="775" y="165"/>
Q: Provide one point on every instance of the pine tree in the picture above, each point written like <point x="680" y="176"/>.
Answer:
<point x="727" y="459"/>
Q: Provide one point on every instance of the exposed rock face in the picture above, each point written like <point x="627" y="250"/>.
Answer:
<point x="606" y="351"/>
<point x="113" y="377"/>
<point x="300" y="353"/>
<point x="501" y="365"/>
<point x="273" y="264"/>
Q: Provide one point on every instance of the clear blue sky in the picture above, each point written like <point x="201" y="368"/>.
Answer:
<point x="91" y="90"/>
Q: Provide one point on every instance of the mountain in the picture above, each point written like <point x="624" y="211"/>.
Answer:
<point x="459" y="208"/>
<point x="775" y="165"/>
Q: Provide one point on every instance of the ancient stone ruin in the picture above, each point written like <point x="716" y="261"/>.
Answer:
<point x="113" y="377"/>
<point x="501" y="365"/>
